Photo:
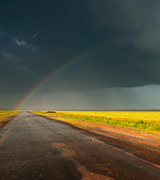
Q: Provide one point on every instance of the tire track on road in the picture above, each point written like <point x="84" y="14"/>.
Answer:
<point x="6" y="133"/>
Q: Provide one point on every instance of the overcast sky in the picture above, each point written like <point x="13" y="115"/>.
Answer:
<point x="118" y="42"/>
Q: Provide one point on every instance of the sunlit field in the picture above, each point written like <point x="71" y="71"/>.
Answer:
<point x="148" y="121"/>
<point x="6" y="116"/>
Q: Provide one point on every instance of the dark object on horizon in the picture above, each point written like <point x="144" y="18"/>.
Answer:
<point x="51" y="112"/>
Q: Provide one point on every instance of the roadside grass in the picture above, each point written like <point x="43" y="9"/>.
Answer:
<point x="5" y="113"/>
<point x="146" y="121"/>
<point x="6" y="116"/>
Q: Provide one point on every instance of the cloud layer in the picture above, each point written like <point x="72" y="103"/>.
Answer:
<point x="109" y="43"/>
<point x="15" y="70"/>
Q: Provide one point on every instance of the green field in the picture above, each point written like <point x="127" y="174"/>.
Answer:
<point x="147" y="121"/>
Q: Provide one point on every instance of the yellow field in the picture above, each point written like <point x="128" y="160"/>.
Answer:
<point x="121" y="115"/>
<point x="148" y="121"/>
<point x="7" y="115"/>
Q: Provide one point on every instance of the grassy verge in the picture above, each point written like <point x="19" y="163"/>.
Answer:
<point x="147" y="121"/>
<point x="6" y="116"/>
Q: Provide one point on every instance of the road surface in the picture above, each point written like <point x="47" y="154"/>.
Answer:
<point x="34" y="147"/>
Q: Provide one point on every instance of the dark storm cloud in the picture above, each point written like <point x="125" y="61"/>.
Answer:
<point x="40" y="36"/>
<point x="138" y="22"/>
<point x="15" y="70"/>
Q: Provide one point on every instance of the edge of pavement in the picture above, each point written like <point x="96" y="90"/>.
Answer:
<point x="111" y="131"/>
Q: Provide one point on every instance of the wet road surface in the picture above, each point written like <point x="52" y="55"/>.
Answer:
<point x="34" y="147"/>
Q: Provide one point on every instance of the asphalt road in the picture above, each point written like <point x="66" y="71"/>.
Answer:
<point x="34" y="147"/>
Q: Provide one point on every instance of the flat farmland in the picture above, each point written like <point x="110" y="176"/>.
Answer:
<point x="6" y="116"/>
<point x="146" y="121"/>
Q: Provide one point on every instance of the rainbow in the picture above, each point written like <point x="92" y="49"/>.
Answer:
<point x="49" y="76"/>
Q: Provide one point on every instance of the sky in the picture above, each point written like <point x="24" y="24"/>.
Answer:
<point x="80" y="54"/>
